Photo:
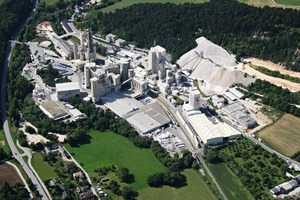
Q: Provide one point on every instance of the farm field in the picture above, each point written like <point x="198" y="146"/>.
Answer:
<point x="127" y="3"/>
<point x="195" y="190"/>
<point x="229" y="182"/>
<point x="44" y="170"/>
<point x="283" y="135"/>
<point x="8" y="174"/>
<point x="108" y="148"/>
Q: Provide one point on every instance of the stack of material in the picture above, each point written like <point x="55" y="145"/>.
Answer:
<point x="214" y="65"/>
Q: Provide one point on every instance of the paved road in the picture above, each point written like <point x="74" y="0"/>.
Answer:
<point x="10" y="142"/>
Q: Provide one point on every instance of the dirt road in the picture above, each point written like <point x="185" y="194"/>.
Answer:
<point x="293" y="87"/>
<point x="272" y="66"/>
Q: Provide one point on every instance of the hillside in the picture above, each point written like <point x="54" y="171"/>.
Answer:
<point x="266" y="33"/>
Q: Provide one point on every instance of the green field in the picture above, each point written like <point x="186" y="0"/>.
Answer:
<point x="126" y="3"/>
<point x="107" y="148"/>
<point x="195" y="190"/>
<point x="3" y="143"/>
<point x="49" y="2"/>
<point x="44" y="170"/>
<point x="289" y="2"/>
<point x="229" y="182"/>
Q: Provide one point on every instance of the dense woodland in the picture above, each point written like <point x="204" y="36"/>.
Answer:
<point x="267" y="33"/>
<point x="15" y="192"/>
<point x="12" y="14"/>
<point x="276" y="97"/>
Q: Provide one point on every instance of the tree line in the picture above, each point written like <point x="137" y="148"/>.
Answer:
<point x="12" y="14"/>
<point x="267" y="33"/>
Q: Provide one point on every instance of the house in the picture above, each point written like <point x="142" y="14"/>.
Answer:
<point x="78" y="175"/>
<point x="274" y="191"/>
<point x="86" y="195"/>
<point x="297" y="178"/>
<point x="53" y="148"/>
<point x="54" y="182"/>
<point x="70" y="166"/>
<point x="285" y="188"/>
<point x="65" y="195"/>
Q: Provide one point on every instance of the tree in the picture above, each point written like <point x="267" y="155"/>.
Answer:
<point x="3" y="154"/>
<point x="128" y="193"/>
<point x="30" y="130"/>
<point x="123" y="175"/>
<point x="155" y="180"/>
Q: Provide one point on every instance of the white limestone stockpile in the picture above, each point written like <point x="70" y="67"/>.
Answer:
<point x="214" y="65"/>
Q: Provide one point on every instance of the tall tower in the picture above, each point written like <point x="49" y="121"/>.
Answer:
<point x="156" y="56"/>
<point x="194" y="98"/>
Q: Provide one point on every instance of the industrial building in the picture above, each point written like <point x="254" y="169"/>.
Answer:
<point x="86" y="50"/>
<point x="54" y="110"/>
<point x="144" y="118"/>
<point x="239" y="113"/>
<point x="66" y="90"/>
<point x="211" y="133"/>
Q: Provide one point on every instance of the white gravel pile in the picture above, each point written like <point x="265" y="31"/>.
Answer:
<point x="214" y="65"/>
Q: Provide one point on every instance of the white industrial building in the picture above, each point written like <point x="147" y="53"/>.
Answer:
<point x="53" y="110"/>
<point x="211" y="133"/>
<point x="66" y="90"/>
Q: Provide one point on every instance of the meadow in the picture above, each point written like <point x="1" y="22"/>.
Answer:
<point x="108" y="148"/>
<point x="45" y="171"/>
<point x="127" y="3"/>
<point x="229" y="182"/>
<point x="283" y="135"/>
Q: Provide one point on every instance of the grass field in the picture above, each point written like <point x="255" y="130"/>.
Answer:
<point x="289" y="2"/>
<point x="283" y="135"/>
<point x="44" y="170"/>
<point x="195" y="190"/>
<point x="3" y="143"/>
<point x="126" y="3"/>
<point x="8" y="174"/>
<point x="49" y="2"/>
<point x="229" y="182"/>
<point x="107" y="148"/>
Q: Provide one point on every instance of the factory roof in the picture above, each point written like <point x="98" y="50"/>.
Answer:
<point x="75" y="112"/>
<point x="236" y="93"/>
<point x="60" y="87"/>
<point x="45" y="44"/>
<point x="158" y="48"/>
<point x="205" y="129"/>
<point x="53" y="110"/>
<point x="67" y="27"/>
<point x="234" y="107"/>
<point x="120" y="104"/>
<point x="231" y="96"/>
<point x="155" y="111"/>
<point x="143" y="123"/>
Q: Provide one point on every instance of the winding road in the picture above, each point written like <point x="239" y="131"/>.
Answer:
<point x="30" y="173"/>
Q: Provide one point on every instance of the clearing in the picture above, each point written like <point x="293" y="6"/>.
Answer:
<point x="8" y="174"/>
<point x="195" y="190"/>
<point x="283" y="135"/>
<point x="292" y="86"/>
<point x="229" y="182"/>
<point x="44" y="170"/>
<point x="127" y="3"/>
<point x="108" y="148"/>
<point x="273" y="3"/>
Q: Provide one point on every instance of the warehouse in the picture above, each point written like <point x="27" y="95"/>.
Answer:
<point x="66" y="90"/>
<point x="239" y="113"/>
<point x="208" y="132"/>
<point x="54" y="110"/>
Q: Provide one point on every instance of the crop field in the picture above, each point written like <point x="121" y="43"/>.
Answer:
<point x="229" y="182"/>
<point x="127" y="3"/>
<point x="8" y="174"/>
<point x="45" y="171"/>
<point x="283" y="135"/>
<point x="195" y="190"/>
<point x="108" y="148"/>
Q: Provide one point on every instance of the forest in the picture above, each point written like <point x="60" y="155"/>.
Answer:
<point x="12" y="14"/>
<point x="267" y="33"/>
